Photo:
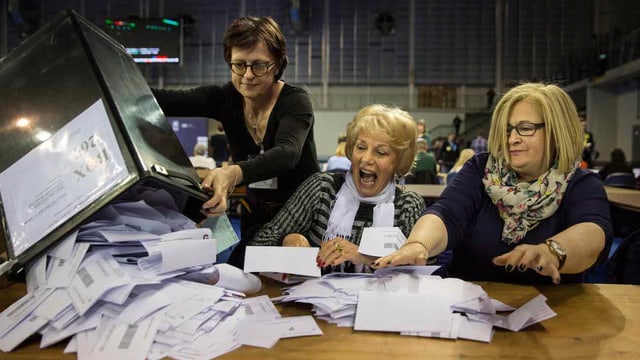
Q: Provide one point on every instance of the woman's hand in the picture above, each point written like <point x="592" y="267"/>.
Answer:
<point x="295" y="240"/>
<point x="335" y="252"/>
<point x="221" y="181"/>
<point x="411" y="253"/>
<point x="536" y="257"/>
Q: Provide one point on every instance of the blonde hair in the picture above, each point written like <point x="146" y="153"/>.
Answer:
<point x="563" y="132"/>
<point x="396" y="124"/>
<point x="465" y="155"/>
<point x="340" y="149"/>
<point x="200" y="149"/>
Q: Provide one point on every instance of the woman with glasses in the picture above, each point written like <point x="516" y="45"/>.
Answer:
<point x="524" y="212"/>
<point x="268" y="123"/>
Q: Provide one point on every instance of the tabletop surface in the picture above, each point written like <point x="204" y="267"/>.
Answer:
<point x="595" y="321"/>
<point x="625" y="198"/>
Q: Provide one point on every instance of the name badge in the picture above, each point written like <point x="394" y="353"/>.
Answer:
<point x="265" y="184"/>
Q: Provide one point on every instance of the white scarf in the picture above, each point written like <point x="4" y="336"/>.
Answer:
<point x="347" y="203"/>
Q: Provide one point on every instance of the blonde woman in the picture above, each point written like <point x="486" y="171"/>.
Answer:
<point x="331" y="211"/>
<point x="524" y="212"/>
<point x="465" y="155"/>
<point x="339" y="161"/>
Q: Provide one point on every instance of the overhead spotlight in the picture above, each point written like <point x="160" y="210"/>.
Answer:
<point x="22" y="122"/>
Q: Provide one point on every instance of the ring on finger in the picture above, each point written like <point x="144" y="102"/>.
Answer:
<point x="338" y="247"/>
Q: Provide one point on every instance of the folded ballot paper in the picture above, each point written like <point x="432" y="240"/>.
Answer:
<point x="138" y="282"/>
<point x="410" y="301"/>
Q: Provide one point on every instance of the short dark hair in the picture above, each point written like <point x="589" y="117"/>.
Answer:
<point x="617" y="156"/>
<point x="247" y="31"/>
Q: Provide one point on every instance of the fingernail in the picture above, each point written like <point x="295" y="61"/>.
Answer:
<point x="539" y="268"/>
<point x="556" y="281"/>
<point x="522" y="267"/>
<point x="508" y="268"/>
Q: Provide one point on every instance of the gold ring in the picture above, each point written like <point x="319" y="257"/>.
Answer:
<point x="338" y="247"/>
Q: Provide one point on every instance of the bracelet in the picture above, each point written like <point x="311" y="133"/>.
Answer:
<point x="417" y="242"/>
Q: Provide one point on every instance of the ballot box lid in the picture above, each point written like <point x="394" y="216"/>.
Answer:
<point x="79" y="127"/>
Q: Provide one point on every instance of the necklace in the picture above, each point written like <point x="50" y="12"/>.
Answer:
<point x="256" y="131"/>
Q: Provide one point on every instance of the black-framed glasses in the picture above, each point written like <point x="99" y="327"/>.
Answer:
<point x="258" y="69"/>
<point x="525" y="128"/>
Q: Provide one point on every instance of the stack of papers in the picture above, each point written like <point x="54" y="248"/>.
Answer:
<point x="127" y="284"/>
<point x="410" y="301"/>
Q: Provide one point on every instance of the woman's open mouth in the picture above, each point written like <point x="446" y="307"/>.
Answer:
<point x="367" y="178"/>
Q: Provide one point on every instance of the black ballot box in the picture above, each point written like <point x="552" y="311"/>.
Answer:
<point x="79" y="129"/>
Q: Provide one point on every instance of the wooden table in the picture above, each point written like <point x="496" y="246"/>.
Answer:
<point x="428" y="192"/>
<point x="625" y="198"/>
<point x="594" y="322"/>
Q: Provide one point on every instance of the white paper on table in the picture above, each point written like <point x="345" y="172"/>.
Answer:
<point x="21" y="309"/>
<point x="36" y="274"/>
<point x="68" y="316"/>
<point x="120" y="340"/>
<point x="97" y="274"/>
<point x="292" y="260"/>
<point x="64" y="248"/>
<point x="72" y="346"/>
<point x="52" y="335"/>
<point x="474" y="330"/>
<point x="127" y="236"/>
<point x="381" y="311"/>
<point x="188" y="299"/>
<point x="184" y="248"/>
<point x="500" y="306"/>
<point x="53" y="306"/>
<point x="535" y="310"/>
<point x="381" y="241"/>
<point x="228" y="277"/>
<point x="257" y="333"/>
<point x="21" y="332"/>
<point x="417" y="270"/>
<point x="142" y="305"/>
<point x="85" y="340"/>
<point x="62" y="271"/>
<point x="296" y="326"/>
<point x="456" y="320"/>
<point x="258" y="308"/>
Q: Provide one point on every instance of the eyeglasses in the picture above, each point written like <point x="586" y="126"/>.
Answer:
<point x="258" y="69"/>
<point x="525" y="128"/>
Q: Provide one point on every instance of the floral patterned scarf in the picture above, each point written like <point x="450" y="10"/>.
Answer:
<point x="522" y="206"/>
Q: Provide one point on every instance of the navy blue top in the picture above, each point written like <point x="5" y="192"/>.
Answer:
<point x="474" y="226"/>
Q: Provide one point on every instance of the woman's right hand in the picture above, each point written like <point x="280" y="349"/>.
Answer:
<point x="295" y="240"/>
<point x="411" y="253"/>
<point x="221" y="181"/>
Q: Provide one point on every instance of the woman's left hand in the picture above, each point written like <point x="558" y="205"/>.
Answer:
<point x="335" y="252"/>
<point x="535" y="257"/>
<point x="221" y="181"/>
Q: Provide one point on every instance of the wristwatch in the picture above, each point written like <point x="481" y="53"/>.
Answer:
<point x="557" y="250"/>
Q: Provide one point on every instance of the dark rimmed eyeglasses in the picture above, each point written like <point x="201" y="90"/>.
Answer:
<point x="525" y="128"/>
<point x="258" y="69"/>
